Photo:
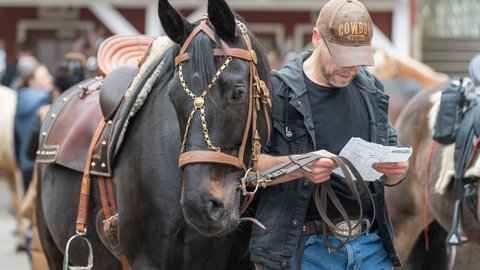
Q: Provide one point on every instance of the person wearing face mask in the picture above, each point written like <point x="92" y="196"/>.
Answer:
<point x="321" y="99"/>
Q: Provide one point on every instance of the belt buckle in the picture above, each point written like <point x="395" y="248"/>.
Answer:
<point x="341" y="230"/>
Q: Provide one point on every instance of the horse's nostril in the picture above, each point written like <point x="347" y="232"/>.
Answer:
<point x="214" y="209"/>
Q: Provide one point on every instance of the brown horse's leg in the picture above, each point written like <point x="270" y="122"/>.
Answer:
<point x="406" y="237"/>
<point x="405" y="203"/>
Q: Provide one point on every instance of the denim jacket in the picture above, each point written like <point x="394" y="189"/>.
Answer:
<point x="283" y="207"/>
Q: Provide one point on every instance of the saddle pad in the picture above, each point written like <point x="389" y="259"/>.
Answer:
<point x="122" y="50"/>
<point x="68" y="129"/>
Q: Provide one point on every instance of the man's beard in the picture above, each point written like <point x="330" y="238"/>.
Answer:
<point x="330" y="78"/>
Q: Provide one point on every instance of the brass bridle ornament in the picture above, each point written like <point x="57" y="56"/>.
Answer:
<point x="259" y="99"/>
<point x="199" y="104"/>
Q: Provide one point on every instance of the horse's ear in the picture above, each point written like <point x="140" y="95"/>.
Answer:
<point x="175" y="25"/>
<point x="222" y="18"/>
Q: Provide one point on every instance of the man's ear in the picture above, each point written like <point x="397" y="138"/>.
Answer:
<point x="316" y="36"/>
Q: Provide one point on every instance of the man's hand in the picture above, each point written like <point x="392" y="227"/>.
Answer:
<point x="321" y="169"/>
<point x="394" y="171"/>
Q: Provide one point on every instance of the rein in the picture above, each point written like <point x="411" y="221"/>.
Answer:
<point x="322" y="192"/>
<point x="259" y="98"/>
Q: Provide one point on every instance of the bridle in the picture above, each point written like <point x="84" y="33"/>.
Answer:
<point x="259" y="99"/>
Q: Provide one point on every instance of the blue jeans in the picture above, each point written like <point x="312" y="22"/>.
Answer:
<point x="366" y="252"/>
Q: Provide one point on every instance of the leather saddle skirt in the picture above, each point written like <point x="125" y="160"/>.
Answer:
<point x="68" y="129"/>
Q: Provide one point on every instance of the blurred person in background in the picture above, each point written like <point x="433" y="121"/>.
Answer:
<point x="70" y="71"/>
<point x="34" y="90"/>
<point x="25" y="60"/>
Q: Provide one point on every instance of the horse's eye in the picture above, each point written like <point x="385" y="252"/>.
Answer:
<point x="238" y="94"/>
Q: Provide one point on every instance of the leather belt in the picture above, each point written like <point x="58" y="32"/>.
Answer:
<point x="315" y="226"/>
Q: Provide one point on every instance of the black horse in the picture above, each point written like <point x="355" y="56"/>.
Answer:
<point x="208" y="109"/>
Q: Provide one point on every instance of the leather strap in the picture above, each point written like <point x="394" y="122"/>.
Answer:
<point x="110" y="213"/>
<point x="203" y="156"/>
<point x="225" y="50"/>
<point x="315" y="226"/>
<point x="82" y="216"/>
<point x="285" y="168"/>
<point x="323" y="191"/>
<point x="103" y="197"/>
<point x="258" y="98"/>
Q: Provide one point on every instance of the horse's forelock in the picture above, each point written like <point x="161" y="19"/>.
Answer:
<point x="201" y="55"/>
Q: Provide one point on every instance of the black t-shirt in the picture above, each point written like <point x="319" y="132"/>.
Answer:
<point x="338" y="115"/>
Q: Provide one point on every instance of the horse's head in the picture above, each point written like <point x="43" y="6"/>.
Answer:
<point x="220" y="94"/>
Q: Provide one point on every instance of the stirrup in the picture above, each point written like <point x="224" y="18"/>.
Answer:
<point x="457" y="235"/>
<point x="90" y="255"/>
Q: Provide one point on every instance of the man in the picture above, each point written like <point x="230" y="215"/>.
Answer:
<point x="321" y="99"/>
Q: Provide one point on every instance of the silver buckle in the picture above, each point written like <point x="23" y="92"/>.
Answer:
<point x="341" y="230"/>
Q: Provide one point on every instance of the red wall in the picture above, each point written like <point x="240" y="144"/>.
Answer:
<point x="383" y="20"/>
<point x="289" y="19"/>
<point x="135" y="17"/>
<point x="9" y="17"/>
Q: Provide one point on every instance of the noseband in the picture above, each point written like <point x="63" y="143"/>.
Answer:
<point x="259" y="98"/>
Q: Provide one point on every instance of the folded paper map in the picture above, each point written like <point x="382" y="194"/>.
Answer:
<point x="363" y="154"/>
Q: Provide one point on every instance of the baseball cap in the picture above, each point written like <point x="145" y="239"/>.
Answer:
<point x="347" y="29"/>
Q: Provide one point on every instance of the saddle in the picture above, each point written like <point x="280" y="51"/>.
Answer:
<point x="466" y="143"/>
<point x="68" y="131"/>
<point x="461" y="124"/>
